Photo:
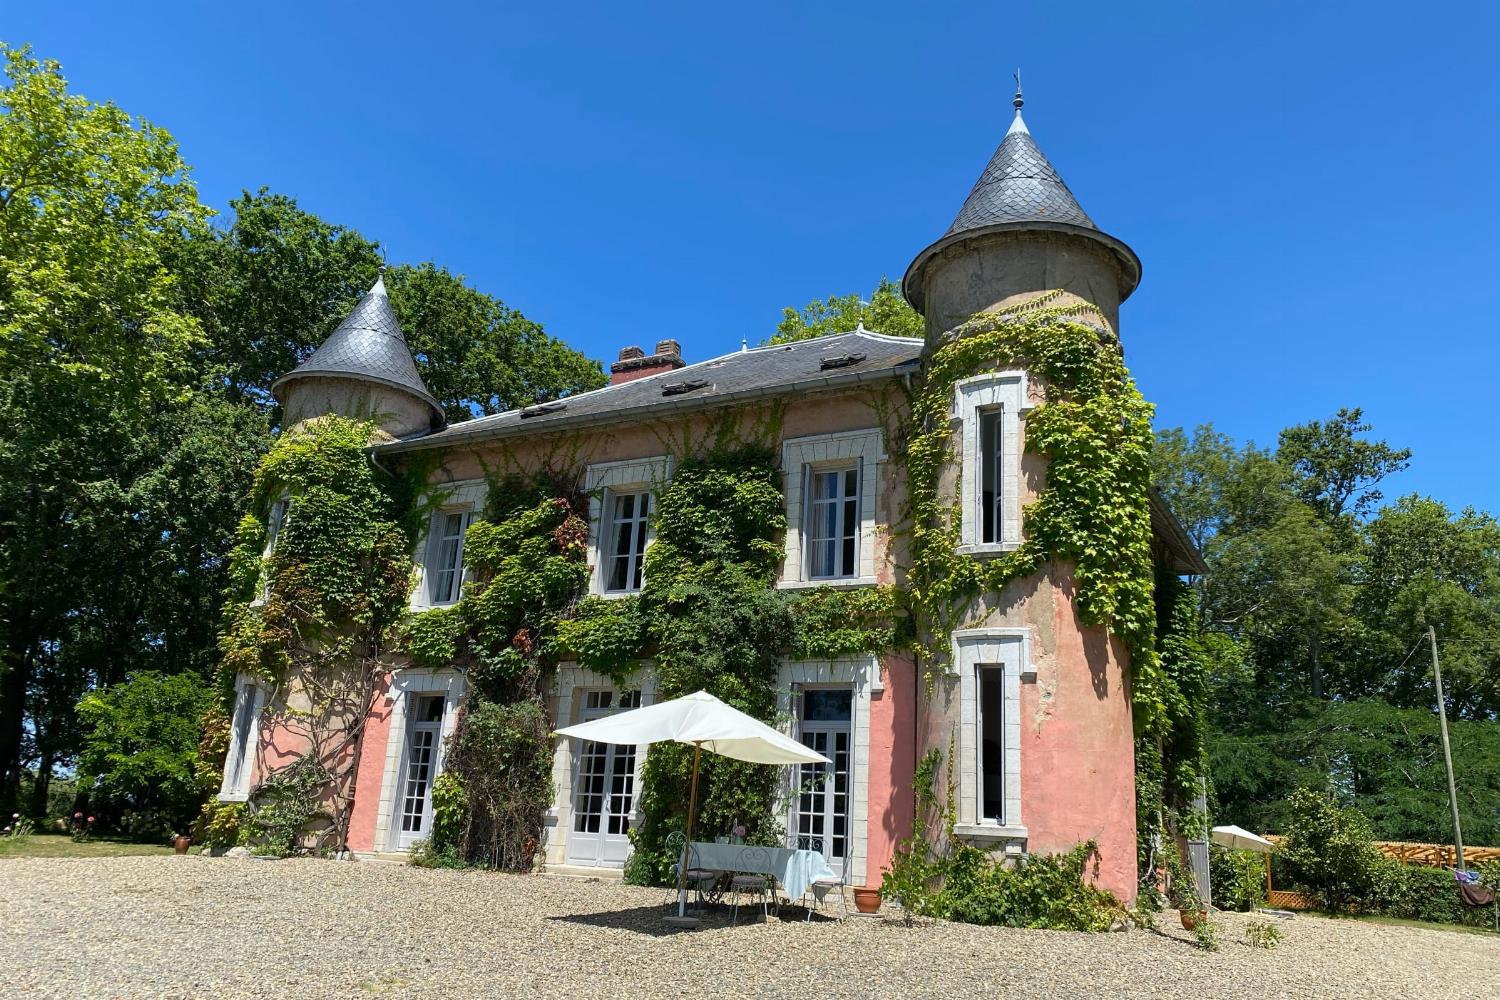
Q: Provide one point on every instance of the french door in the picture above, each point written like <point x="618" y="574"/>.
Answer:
<point x="603" y="789"/>
<point x="821" y="813"/>
<point x="419" y="769"/>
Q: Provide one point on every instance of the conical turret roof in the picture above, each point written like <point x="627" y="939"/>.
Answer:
<point x="1020" y="189"/>
<point x="367" y="346"/>
<point x="1019" y="185"/>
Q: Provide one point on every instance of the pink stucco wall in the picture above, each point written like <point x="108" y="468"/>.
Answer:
<point x="893" y="734"/>
<point x="1078" y="747"/>
<point x="371" y="771"/>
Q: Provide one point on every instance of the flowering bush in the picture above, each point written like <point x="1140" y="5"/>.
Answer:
<point x="81" y="827"/>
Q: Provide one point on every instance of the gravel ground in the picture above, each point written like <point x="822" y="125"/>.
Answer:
<point x="218" y="927"/>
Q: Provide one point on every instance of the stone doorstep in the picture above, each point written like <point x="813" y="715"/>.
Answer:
<point x="582" y="871"/>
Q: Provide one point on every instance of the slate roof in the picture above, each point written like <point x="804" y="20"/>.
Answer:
<point x="1020" y="189"/>
<point x="833" y="361"/>
<point x="368" y="345"/>
<point x="1019" y="185"/>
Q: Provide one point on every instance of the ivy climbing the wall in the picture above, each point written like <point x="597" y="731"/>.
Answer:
<point x="311" y="619"/>
<point x="527" y="565"/>
<point x="1093" y="428"/>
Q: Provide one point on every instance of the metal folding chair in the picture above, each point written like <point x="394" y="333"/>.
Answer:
<point x="697" y="878"/>
<point x="749" y="879"/>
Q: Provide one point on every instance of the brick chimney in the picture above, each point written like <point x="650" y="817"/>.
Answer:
<point x="635" y="363"/>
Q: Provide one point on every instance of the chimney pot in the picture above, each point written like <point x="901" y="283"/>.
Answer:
<point x="631" y="353"/>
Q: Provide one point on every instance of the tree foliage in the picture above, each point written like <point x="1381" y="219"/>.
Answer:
<point x="1321" y="598"/>
<point x="141" y="749"/>
<point x="138" y="342"/>
<point x="885" y="311"/>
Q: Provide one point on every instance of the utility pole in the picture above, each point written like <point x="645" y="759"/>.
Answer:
<point x="1437" y="680"/>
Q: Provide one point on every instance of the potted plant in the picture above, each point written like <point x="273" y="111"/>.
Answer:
<point x="1183" y="894"/>
<point x="181" y="843"/>
<point x="866" y="899"/>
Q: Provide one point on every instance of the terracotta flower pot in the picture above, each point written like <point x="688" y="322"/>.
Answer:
<point x="867" y="900"/>
<point x="181" y="844"/>
<point x="1190" y="918"/>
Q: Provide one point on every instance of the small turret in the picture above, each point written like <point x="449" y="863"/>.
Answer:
<point x="363" y="370"/>
<point x="1019" y="232"/>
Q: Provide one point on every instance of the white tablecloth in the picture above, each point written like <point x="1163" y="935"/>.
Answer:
<point x="795" y="870"/>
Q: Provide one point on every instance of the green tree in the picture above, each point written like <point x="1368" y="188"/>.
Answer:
<point x="1328" y="848"/>
<point x="884" y="312"/>
<point x="92" y="348"/>
<point x="478" y="355"/>
<point x="141" y="749"/>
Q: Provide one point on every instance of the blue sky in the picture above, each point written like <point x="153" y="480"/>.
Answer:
<point x="1310" y="186"/>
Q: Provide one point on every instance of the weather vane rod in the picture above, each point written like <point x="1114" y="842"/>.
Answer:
<point x="1018" y="102"/>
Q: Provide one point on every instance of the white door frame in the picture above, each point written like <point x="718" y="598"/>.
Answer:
<point x="406" y="683"/>
<point x="433" y="731"/>
<point x="601" y="848"/>
<point x="831" y="730"/>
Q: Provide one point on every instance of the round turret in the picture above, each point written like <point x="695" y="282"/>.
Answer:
<point x="363" y="370"/>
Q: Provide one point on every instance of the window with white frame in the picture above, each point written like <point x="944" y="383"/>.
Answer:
<point x="445" y="555"/>
<point x="990" y="687"/>
<point x="990" y="663"/>
<point x="244" y="728"/>
<point x="620" y="509"/>
<point x="628" y="510"/>
<point x="830" y="494"/>
<point x="990" y="410"/>
<point x="831" y="534"/>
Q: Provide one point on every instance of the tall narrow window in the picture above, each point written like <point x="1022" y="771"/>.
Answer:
<point x="991" y="744"/>
<point x="832" y="531"/>
<point x="274" y="523"/>
<point x="627" y="540"/>
<point x="445" y="563"/>
<point x="239" y="762"/>
<point x="991" y="479"/>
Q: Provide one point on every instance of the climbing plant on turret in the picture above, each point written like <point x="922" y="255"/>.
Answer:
<point x="312" y="612"/>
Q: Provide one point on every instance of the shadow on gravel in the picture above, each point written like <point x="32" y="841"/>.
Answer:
<point x="651" y="920"/>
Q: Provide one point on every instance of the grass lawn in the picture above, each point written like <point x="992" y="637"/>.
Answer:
<point x="1424" y="924"/>
<point x="60" y="845"/>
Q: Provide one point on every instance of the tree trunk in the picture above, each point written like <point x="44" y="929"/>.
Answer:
<point x="43" y="785"/>
<point x="13" y="683"/>
<point x="1317" y="664"/>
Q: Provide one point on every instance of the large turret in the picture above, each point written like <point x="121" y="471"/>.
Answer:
<point x="1019" y="232"/>
<point x="364" y="370"/>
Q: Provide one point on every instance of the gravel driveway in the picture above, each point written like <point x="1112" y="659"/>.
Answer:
<point x="217" y="927"/>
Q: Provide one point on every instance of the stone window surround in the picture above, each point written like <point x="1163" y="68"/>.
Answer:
<point x="862" y="673"/>
<point x="407" y="683"/>
<point x="241" y="791"/>
<point x="628" y="475"/>
<point x="570" y="683"/>
<point x="461" y="495"/>
<point x="1009" y="649"/>
<point x="1007" y="390"/>
<point x="820" y="452"/>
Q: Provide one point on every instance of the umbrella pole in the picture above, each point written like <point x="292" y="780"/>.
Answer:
<point x="687" y="846"/>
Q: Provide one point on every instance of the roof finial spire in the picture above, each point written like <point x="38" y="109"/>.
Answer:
<point x="1018" y="102"/>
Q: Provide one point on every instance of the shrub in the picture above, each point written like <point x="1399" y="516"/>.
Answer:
<point x="502" y="754"/>
<point x="447" y="811"/>
<point x="1048" y="891"/>
<point x="140" y="747"/>
<point x="219" y="825"/>
<point x="1416" y="892"/>
<point x="1238" y="878"/>
<point x="1328" y="849"/>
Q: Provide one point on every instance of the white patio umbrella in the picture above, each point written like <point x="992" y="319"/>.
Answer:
<point x="1240" y="839"/>
<point x="708" y="724"/>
